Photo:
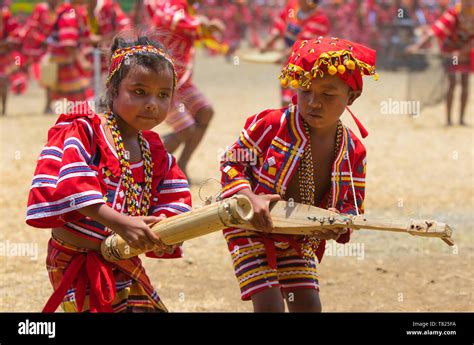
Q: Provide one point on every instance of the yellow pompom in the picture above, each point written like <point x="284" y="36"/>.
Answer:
<point x="350" y="64"/>
<point x="341" y="69"/>
<point x="332" y="70"/>
<point x="294" y="84"/>
<point x="376" y="77"/>
<point x="284" y="82"/>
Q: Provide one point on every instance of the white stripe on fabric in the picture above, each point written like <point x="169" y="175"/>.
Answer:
<point x="42" y="184"/>
<point x="85" y="231"/>
<point x="235" y="189"/>
<point x="50" y="157"/>
<point x="66" y="210"/>
<point x="175" y="181"/>
<point x="54" y="148"/>
<point x="74" y="145"/>
<point x="68" y="198"/>
<point x="264" y="284"/>
<point x="72" y="165"/>
<point x="79" y="174"/>
<point x="174" y="190"/>
<point x="91" y="133"/>
<point x="247" y="136"/>
<point x="263" y="135"/>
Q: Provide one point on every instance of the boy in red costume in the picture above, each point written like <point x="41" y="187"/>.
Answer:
<point x="301" y="153"/>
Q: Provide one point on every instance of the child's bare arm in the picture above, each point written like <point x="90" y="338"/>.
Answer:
<point x="134" y="230"/>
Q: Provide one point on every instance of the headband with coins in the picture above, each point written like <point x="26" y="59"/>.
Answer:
<point x="119" y="56"/>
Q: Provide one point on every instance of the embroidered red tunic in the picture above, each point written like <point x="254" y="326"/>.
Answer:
<point x="277" y="138"/>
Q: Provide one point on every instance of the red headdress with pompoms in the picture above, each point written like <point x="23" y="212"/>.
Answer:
<point x="314" y="58"/>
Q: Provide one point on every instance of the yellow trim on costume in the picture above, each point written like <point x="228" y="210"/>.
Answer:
<point x="261" y="180"/>
<point x="356" y="183"/>
<point x="294" y="151"/>
<point x="280" y="146"/>
<point x="235" y="183"/>
<point x="245" y="142"/>
<point x="245" y="257"/>
<point x="232" y="173"/>
<point x="251" y="280"/>
<point x="230" y="237"/>
<point x="337" y="178"/>
<point x="337" y="61"/>
<point x="297" y="276"/>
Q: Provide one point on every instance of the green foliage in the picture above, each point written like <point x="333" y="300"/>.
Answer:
<point x="27" y="6"/>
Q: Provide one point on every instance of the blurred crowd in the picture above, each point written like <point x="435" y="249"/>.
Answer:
<point x="222" y="26"/>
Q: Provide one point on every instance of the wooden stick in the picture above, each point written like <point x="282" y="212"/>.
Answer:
<point x="231" y="212"/>
<point x="299" y="219"/>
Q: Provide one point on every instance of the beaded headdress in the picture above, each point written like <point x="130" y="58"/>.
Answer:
<point x="120" y="55"/>
<point x="312" y="58"/>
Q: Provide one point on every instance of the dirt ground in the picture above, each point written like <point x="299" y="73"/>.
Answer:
<point x="417" y="168"/>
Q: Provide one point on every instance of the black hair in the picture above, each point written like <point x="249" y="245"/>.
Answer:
<point x="154" y="62"/>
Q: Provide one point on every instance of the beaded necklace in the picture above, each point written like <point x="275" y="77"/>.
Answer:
<point x="308" y="188"/>
<point x="132" y="195"/>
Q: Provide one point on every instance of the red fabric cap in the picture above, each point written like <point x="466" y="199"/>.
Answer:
<point x="312" y="58"/>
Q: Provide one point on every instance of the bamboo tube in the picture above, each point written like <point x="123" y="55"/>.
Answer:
<point x="231" y="212"/>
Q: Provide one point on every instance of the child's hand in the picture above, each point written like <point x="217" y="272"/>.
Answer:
<point x="262" y="219"/>
<point x="137" y="233"/>
<point x="166" y="249"/>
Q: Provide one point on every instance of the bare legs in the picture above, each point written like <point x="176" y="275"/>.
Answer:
<point x="450" y="96"/>
<point x="464" y="96"/>
<point x="3" y="93"/>
<point x="173" y="140"/>
<point x="298" y="301"/>
<point x="190" y="137"/>
<point x="47" y="107"/>
<point x="268" y="301"/>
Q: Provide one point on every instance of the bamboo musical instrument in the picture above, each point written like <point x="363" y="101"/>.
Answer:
<point x="288" y="218"/>
<point x="299" y="219"/>
<point x="231" y="212"/>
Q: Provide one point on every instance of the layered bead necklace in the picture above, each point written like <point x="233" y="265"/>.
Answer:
<point x="132" y="194"/>
<point x="307" y="187"/>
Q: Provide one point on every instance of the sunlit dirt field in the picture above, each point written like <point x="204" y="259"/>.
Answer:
<point x="417" y="168"/>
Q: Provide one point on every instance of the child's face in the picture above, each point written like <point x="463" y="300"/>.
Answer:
<point x="324" y="101"/>
<point x="144" y="97"/>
